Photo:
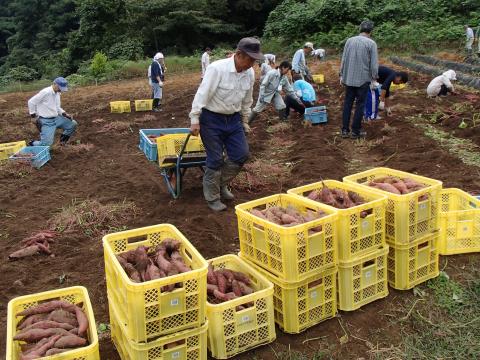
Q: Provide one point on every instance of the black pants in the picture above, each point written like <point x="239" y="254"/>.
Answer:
<point x="444" y="91"/>
<point x="359" y="96"/>
<point x="292" y="103"/>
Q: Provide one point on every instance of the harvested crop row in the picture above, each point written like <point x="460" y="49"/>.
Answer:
<point x="151" y="263"/>
<point x="51" y="328"/>
<point x="225" y="285"/>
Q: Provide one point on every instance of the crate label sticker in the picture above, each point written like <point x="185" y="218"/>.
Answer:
<point x="174" y="302"/>
<point x="422" y="206"/>
<point x="368" y="274"/>
<point x="245" y="319"/>
<point x="313" y="294"/>
<point x="365" y="223"/>
<point x="176" y="355"/>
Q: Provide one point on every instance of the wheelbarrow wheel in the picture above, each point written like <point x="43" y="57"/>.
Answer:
<point x="172" y="179"/>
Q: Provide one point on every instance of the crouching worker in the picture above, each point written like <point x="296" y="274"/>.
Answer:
<point x="220" y="112"/>
<point x="48" y="115"/>
<point x="442" y="85"/>
<point x="305" y="96"/>
<point x="387" y="76"/>
<point x="274" y="82"/>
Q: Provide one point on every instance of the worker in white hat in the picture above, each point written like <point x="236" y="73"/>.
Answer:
<point x="299" y="64"/>
<point x="157" y="76"/>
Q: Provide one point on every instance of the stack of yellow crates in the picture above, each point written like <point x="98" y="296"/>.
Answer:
<point x="412" y="224"/>
<point x="148" y="322"/>
<point x="362" y="251"/>
<point x="300" y="261"/>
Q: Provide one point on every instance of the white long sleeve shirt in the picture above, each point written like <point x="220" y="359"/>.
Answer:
<point x="469" y="33"/>
<point x="298" y="63"/>
<point x="445" y="79"/>
<point x="205" y="62"/>
<point x="46" y="103"/>
<point x="224" y="90"/>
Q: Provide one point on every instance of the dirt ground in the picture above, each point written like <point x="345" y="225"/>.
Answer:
<point x="114" y="170"/>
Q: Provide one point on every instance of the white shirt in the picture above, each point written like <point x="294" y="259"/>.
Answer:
<point x="224" y="90"/>
<point x="46" y="103"/>
<point x="298" y="62"/>
<point x="205" y="62"/>
<point x="469" y="33"/>
<point x="436" y="84"/>
<point x="318" y="52"/>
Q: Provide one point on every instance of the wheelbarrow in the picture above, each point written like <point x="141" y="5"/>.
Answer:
<point x="174" y="164"/>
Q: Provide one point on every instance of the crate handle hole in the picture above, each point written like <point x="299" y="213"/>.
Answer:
<point x="136" y="239"/>
<point x="187" y="253"/>
<point x="368" y="263"/>
<point x="423" y="245"/>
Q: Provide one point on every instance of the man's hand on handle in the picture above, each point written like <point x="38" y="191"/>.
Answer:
<point x="195" y="129"/>
<point x="68" y="116"/>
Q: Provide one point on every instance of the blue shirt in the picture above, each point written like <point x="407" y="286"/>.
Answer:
<point x="386" y="77"/>
<point x="304" y="90"/>
<point x="156" y="70"/>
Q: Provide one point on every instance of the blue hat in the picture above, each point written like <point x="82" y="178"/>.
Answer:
<point x="62" y="83"/>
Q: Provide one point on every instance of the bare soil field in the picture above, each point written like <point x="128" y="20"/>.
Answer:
<point x="104" y="164"/>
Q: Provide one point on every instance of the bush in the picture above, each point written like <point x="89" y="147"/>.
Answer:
<point x="21" y="73"/>
<point x="129" y="49"/>
<point x="99" y="65"/>
<point x="78" y="80"/>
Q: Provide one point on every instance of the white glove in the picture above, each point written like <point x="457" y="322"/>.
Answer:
<point x="246" y="128"/>
<point x="389" y="111"/>
<point x="160" y="83"/>
<point x="341" y="81"/>
<point x="381" y="106"/>
<point x="374" y="85"/>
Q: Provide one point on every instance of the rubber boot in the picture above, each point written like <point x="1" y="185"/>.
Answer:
<point x="229" y="171"/>
<point x="282" y="114"/>
<point x="252" y="117"/>
<point x="211" y="189"/>
<point x="64" y="139"/>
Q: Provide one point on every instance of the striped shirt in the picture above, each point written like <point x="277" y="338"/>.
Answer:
<point x="359" y="61"/>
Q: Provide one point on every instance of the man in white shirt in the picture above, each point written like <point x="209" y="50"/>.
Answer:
<point x="266" y="66"/>
<point x="442" y="84"/>
<point x="299" y="64"/>
<point x="470" y="39"/>
<point x="205" y="60"/>
<point x="318" y="54"/>
<point x="48" y="115"/>
<point x="220" y="112"/>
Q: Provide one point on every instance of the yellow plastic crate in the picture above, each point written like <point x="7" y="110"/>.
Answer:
<point x="408" y="217"/>
<point x="170" y="145"/>
<point x="146" y="311"/>
<point x="188" y="344"/>
<point x="291" y="253"/>
<point x="303" y="304"/>
<point x="143" y="105"/>
<point x="7" y="149"/>
<point x="357" y="235"/>
<point x="413" y="264"/>
<point x="75" y="295"/>
<point x="319" y="78"/>
<point x="120" y="106"/>
<point x="459" y="222"/>
<point x="230" y="331"/>
<point x="363" y="280"/>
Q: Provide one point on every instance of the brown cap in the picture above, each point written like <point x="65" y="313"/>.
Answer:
<point x="250" y="46"/>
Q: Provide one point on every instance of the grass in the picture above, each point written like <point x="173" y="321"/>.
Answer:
<point x="93" y="218"/>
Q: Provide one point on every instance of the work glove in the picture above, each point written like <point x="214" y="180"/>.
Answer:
<point x="160" y="83"/>
<point x="246" y="127"/>
<point x="389" y="111"/>
<point x="374" y="85"/>
<point x="381" y="106"/>
<point x="341" y="81"/>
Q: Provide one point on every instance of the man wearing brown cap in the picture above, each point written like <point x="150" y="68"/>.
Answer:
<point x="220" y="112"/>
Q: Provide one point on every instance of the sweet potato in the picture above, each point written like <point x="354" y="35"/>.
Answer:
<point x="347" y="202"/>
<point x="54" y="351"/>
<point x="292" y="211"/>
<point x="400" y="186"/>
<point x="224" y="297"/>
<point x="141" y="259"/>
<point x="326" y="196"/>
<point x="241" y="277"/>
<point x="47" y="307"/>
<point x="153" y="272"/>
<point x="180" y="265"/>
<point x="129" y="256"/>
<point x="288" y="219"/>
<point x="273" y="218"/>
<point x="246" y="290"/>
<point x="63" y="316"/>
<point x="221" y="282"/>
<point x="236" y="288"/>
<point x="171" y="245"/>
<point x="211" y="278"/>
<point x="47" y="324"/>
<point x="386" y="187"/>
<point x="410" y="183"/>
<point x="211" y="288"/>
<point x="314" y="195"/>
<point x="29" y="320"/>
<point x="258" y="213"/>
<point x="27" y="251"/>
<point x="35" y="335"/>
<point x="70" y="341"/>
<point x="162" y="262"/>
<point x="356" y="198"/>
<point x="122" y="261"/>
<point x="82" y="321"/>
<point x="228" y="275"/>
<point x="40" y="350"/>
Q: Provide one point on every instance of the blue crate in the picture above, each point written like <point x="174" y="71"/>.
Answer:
<point x="316" y="115"/>
<point x="42" y="155"/>
<point x="149" y="147"/>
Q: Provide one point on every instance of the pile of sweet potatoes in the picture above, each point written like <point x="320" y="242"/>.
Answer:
<point x="225" y="285"/>
<point x="395" y="185"/>
<point x="155" y="262"/>
<point x="37" y="243"/>
<point x="51" y="328"/>
<point x="289" y="216"/>
<point x="338" y="198"/>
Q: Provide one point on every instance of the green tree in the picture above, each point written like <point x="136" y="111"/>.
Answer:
<point x="98" y="67"/>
